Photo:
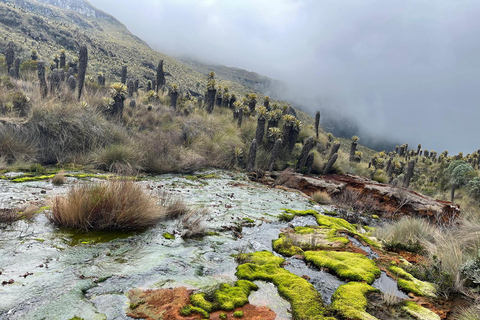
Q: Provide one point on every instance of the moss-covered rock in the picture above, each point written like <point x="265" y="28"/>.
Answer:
<point x="336" y="225"/>
<point x="409" y="283"/>
<point x="305" y="300"/>
<point x="226" y="297"/>
<point x="350" y="300"/>
<point x="285" y="247"/>
<point x="419" y="312"/>
<point x="346" y="265"/>
<point x="308" y="238"/>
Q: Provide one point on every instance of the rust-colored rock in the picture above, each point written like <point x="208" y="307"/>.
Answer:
<point x="390" y="200"/>
<point x="166" y="304"/>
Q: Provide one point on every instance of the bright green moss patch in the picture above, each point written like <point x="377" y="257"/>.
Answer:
<point x="188" y="310"/>
<point x="332" y="223"/>
<point x="30" y="177"/>
<point x="306" y="302"/>
<point x="350" y="300"/>
<point x="198" y="300"/>
<point x="238" y="314"/>
<point x="419" y="312"/>
<point x="346" y="265"/>
<point x="409" y="283"/>
<point x="285" y="247"/>
<point x="222" y="316"/>
<point x="301" y="212"/>
<point x="304" y="230"/>
<point x="169" y="236"/>
<point x="226" y="298"/>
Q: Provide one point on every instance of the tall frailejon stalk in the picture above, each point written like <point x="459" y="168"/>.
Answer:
<point x="54" y="81"/>
<point x="317" y="122"/>
<point x="173" y="96"/>
<point x="123" y="79"/>
<point x="17" y="68"/>
<point x="330" y="163"/>
<point x="160" y="76"/>
<point x="266" y="103"/>
<point x="10" y="55"/>
<point x="302" y="160"/>
<point x="409" y="174"/>
<point x="82" y="68"/>
<point x="353" y="148"/>
<point x="63" y="59"/>
<point x="211" y="92"/>
<point x="41" y="78"/>
<point x="260" y="132"/>
<point x="252" y="156"/>
<point x="277" y="147"/>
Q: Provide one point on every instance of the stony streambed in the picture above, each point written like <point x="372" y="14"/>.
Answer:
<point x="66" y="273"/>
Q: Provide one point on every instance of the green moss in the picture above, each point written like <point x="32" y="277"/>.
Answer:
<point x="222" y="316"/>
<point x="285" y="247"/>
<point x="350" y="300"/>
<point x="306" y="302"/>
<point x="330" y="212"/>
<point x="228" y="297"/>
<point x="335" y="224"/>
<point x="248" y="220"/>
<point x="419" y="312"/>
<point x="134" y="306"/>
<point x="409" y="283"/>
<point x="346" y="265"/>
<point x="198" y="300"/>
<point x="301" y="212"/>
<point x="188" y="310"/>
<point x="286" y="217"/>
<point x="304" y="230"/>
<point x="238" y="314"/>
<point x="79" y="237"/>
<point x="374" y="216"/>
<point x="76" y="318"/>
<point x="212" y="233"/>
<point x="169" y="236"/>
<point x="34" y="178"/>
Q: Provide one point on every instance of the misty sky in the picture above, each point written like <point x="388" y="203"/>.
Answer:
<point x="405" y="69"/>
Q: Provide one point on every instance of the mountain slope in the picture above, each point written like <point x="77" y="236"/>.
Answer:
<point x="48" y="26"/>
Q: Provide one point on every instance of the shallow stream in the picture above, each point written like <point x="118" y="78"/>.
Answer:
<point x="75" y="274"/>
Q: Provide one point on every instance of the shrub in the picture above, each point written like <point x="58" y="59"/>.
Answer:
<point x="15" y="146"/>
<point x="116" y="204"/>
<point x="238" y="314"/>
<point x="321" y="197"/>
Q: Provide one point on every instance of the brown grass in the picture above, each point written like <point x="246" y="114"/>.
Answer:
<point x="322" y="197"/>
<point x="115" y="204"/>
<point x="10" y="215"/>
<point x="59" y="178"/>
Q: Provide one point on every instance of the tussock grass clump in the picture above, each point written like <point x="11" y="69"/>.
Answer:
<point x="124" y="159"/>
<point x="59" y="178"/>
<point x="115" y="204"/>
<point x="322" y="197"/>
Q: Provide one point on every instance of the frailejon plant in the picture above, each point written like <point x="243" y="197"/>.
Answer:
<point x="82" y="68"/>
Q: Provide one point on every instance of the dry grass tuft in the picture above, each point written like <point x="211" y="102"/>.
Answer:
<point x="59" y="178"/>
<point x="322" y="197"/>
<point x="10" y="215"/>
<point x="115" y="204"/>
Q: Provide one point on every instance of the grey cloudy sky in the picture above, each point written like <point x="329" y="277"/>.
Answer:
<point x="404" y="69"/>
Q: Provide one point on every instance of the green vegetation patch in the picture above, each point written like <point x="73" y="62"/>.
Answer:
<point x="419" y="312"/>
<point x="285" y="247"/>
<point x="409" y="283"/>
<point x="30" y="177"/>
<point x="350" y="300"/>
<point x="335" y="224"/>
<point x="238" y="314"/>
<point x="225" y="298"/>
<point x="307" y="238"/>
<point x="169" y="236"/>
<point x="95" y="236"/>
<point x="306" y="302"/>
<point x="188" y="310"/>
<point x="346" y="265"/>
